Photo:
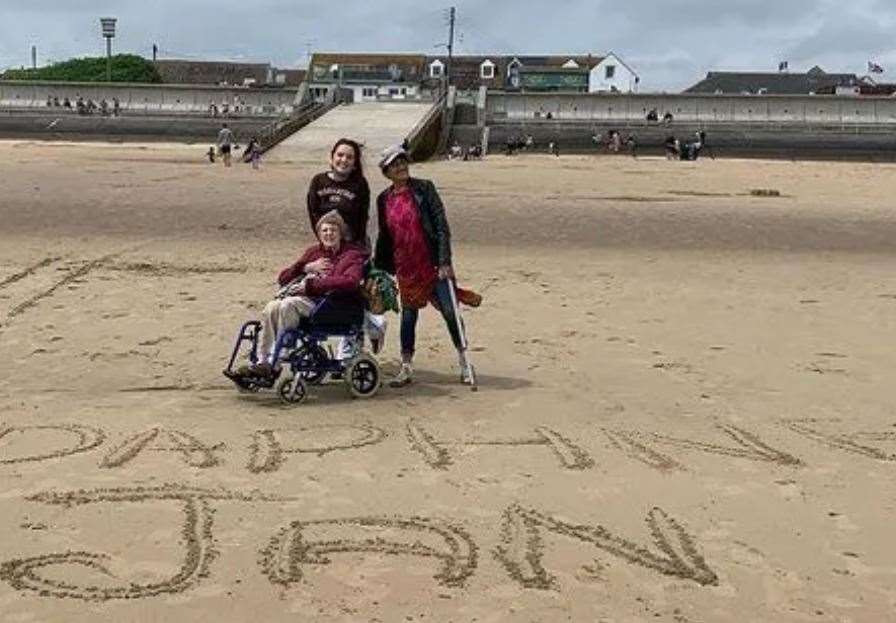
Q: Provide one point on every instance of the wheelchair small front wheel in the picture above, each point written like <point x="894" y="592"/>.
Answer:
<point x="362" y="377"/>
<point x="292" y="390"/>
<point x="310" y="358"/>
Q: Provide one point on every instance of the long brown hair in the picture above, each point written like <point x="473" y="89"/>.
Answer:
<point x="356" y="147"/>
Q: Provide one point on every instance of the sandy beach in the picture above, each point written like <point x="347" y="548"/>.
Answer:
<point x="685" y="413"/>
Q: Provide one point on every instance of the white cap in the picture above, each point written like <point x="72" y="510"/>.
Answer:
<point x="391" y="153"/>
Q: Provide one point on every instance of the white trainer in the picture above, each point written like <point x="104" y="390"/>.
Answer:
<point x="404" y="377"/>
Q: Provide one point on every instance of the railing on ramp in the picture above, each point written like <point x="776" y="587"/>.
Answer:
<point x="423" y="139"/>
<point x="279" y="131"/>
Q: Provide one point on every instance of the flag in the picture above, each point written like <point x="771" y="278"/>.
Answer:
<point x="874" y="68"/>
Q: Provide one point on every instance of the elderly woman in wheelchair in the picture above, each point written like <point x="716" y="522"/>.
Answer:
<point x="320" y="297"/>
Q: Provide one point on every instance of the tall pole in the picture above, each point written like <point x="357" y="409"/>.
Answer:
<point x="108" y="25"/>
<point x="443" y="134"/>
<point x="33" y="57"/>
<point x="451" y="19"/>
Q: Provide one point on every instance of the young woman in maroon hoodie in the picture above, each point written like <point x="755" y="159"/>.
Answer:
<point x="343" y="188"/>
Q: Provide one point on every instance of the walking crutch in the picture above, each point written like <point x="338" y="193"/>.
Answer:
<point x="460" y="331"/>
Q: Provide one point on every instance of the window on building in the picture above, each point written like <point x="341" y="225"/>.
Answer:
<point x="436" y="70"/>
<point x="610" y="72"/>
<point x="393" y="91"/>
<point x="487" y="70"/>
<point x="404" y="91"/>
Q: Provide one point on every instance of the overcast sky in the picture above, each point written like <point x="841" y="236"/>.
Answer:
<point x="671" y="43"/>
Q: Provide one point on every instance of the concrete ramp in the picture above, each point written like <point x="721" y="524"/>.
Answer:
<point x="376" y="125"/>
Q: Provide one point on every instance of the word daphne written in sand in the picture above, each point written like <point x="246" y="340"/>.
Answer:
<point x="286" y="556"/>
<point x="268" y="450"/>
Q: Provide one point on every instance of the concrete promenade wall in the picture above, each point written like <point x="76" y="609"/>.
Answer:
<point x="708" y="109"/>
<point x="135" y="128"/>
<point x="150" y="98"/>
<point x="785" y="140"/>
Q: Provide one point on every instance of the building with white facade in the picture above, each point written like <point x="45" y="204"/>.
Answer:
<point x="613" y="75"/>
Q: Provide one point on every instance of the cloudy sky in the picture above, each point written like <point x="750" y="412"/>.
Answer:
<point x="671" y="43"/>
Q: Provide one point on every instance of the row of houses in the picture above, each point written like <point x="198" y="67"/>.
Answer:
<point x="408" y="76"/>
<point x="816" y="81"/>
<point x="372" y="76"/>
<point x="227" y="73"/>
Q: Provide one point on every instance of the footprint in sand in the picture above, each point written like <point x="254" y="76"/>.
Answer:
<point x="789" y="489"/>
<point x="154" y="342"/>
<point x="823" y="368"/>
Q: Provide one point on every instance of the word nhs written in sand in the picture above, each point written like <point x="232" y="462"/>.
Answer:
<point x="285" y="557"/>
<point x="268" y="450"/>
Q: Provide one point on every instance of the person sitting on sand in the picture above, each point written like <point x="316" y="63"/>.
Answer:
<point x="331" y="266"/>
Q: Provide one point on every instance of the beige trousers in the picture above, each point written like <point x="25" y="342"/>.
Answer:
<point x="278" y="316"/>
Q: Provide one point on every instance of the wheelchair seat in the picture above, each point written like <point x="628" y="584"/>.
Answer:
<point x="336" y="315"/>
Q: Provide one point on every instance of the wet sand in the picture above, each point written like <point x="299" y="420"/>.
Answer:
<point x="685" y="410"/>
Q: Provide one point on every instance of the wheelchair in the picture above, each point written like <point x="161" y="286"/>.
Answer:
<point x="301" y="358"/>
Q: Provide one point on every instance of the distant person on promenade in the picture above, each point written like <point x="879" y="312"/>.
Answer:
<point x="701" y="138"/>
<point x="225" y="143"/>
<point x="672" y="148"/>
<point x="255" y="154"/>
<point x="252" y="153"/>
<point x="414" y="244"/>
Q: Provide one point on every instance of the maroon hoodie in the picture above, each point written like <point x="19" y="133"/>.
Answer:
<point x="344" y="276"/>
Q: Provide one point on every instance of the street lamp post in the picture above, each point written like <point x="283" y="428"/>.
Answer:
<point x="108" y="25"/>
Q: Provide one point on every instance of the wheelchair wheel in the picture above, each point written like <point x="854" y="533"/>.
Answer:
<point x="292" y="390"/>
<point x="315" y="356"/>
<point x="362" y="376"/>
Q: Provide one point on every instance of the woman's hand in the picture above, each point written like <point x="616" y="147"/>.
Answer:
<point x="296" y="289"/>
<point x="320" y="265"/>
<point x="446" y="272"/>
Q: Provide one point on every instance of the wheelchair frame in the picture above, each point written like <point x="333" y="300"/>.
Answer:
<point x="306" y="359"/>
